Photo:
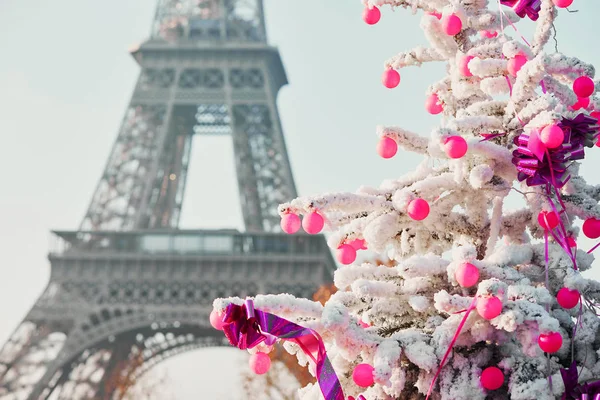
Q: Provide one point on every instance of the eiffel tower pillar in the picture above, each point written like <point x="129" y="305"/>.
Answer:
<point x="129" y="289"/>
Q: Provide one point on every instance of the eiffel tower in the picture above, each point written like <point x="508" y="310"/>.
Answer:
<point x="129" y="289"/>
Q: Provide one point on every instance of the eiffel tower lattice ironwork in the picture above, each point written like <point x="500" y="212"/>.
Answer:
<point x="128" y="287"/>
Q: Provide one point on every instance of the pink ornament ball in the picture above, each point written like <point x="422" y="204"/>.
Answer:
<point x="387" y="147"/>
<point x="492" y="378"/>
<point x="216" y="320"/>
<point x="489" y="307"/>
<point x="571" y="242"/>
<point x="488" y="34"/>
<point x="582" y="102"/>
<point x="346" y="254"/>
<point x="290" y="223"/>
<point x="591" y="228"/>
<point x="390" y="78"/>
<point x="550" y="342"/>
<point x="418" y="209"/>
<point x="455" y="146"/>
<point x="567" y="298"/>
<point x="562" y="3"/>
<point x="515" y="64"/>
<point x="260" y="363"/>
<point x="371" y="15"/>
<point x="363" y="375"/>
<point x="463" y="65"/>
<point x="432" y="104"/>
<point x="467" y="275"/>
<point x="313" y="223"/>
<point x="552" y="136"/>
<point x="584" y="86"/>
<point x="548" y="219"/>
<point x="451" y="24"/>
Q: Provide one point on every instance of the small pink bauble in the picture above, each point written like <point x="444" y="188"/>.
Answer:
<point x="466" y="275"/>
<point x="492" y="378"/>
<point x="562" y="3"/>
<point x="390" y="78"/>
<point x="550" y="342"/>
<point x="515" y="64"/>
<point x="216" y="320"/>
<point x="488" y="34"/>
<point x="455" y="146"/>
<point x="583" y="86"/>
<point x="346" y="254"/>
<point x="567" y="298"/>
<point x="358" y="244"/>
<point x="591" y="228"/>
<point x="432" y="104"/>
<point x="387" y="147"/>
<point x="571" y="242"/>
<point x="552" y="136"/>
<point x="489" y="307"/>
<point x="451" y="24"/>
<point x="363" y="375"/>
<point x="582" y="102"/>
<point x="260" y="363"/>
<point x="290" y="223"/>
<point x="313" y="223"/>
<point x="418" y="209"/>
<point x="463" y="65"/>
<point x="549" y="217"/>
<point x="435" y="14"/>
<point x="371" y="15"/>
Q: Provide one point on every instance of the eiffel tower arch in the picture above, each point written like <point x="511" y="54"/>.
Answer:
<point x="129" y="287"/>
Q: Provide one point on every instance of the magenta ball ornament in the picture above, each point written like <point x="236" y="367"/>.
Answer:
<point x="455" y="146"/>
<point x="552" y="136"/>
<point x="418" y="209"/>
<point x="567" y="298"/>
<point x="489" y="307"/>
<point x="371" y="15"/>
<point x="451" y="24"/>
<point x="562" y="3"/>
<point x="432" y="104"/>
<point x="313" y="223"/>
<point x="466" y="275"/>
<point x="492" y="378"/>
<point x="290" y="223"/>
<point x="363" y="375"/>
<point x="548" y="220"/>
<point x="387" y="147"/>
<point x="346" y="254"/>
<point x="463" y="65"/>
<point x="260" y="363"/>
<point x="515" y="64"/>
<point x="390" y="78"/>
<point x="591" y="228"/>
<point x="584" y="86"/>
<point x="216" y="320"/>
<point x="550" y="342"/>
<point x="571" y="242"/>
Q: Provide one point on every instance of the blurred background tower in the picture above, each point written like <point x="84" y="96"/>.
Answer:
<point x="129" y="289"/>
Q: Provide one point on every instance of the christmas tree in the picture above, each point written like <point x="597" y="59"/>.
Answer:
<point x="479" y="302"/>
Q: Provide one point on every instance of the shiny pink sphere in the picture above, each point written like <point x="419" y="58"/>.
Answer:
<point x="515" y="64"/>
<point x="466" y="275"/>
<point x="216" y="320"/>
<point x="451" y="24"/>
<point x="390" y="78"/>
<point x="492" y="378"/>
<point x="418" y="209"/>
<point x="371" y="15"/>
<point x="387" y="147"/>
<point x="455" y="146"/>
<point x="591" y="228"/>
<point x="552" y="136"/>
<point x="432" y="104"/>
<point x="463" y="65"/>
<point x="584" y="86"/>
<point x="562" y="3"/>
<point x="363" y="375"/>
<point x="290" y="223"/>
<point x="346" y="254"/>
<point x="489" y="307"/>
<point x="567" y="298"/>
<point x="550" y="342"/>
<point x="260" y="363"/>
<point x="313" y="223"/>
<point x="548" y="219"/>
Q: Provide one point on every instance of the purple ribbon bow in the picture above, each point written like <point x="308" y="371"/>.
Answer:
<point x="575" y="390"/>
<point x="245" y="327"/>
<point x="522" y="8"/>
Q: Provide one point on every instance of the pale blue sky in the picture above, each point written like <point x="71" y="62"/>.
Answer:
<point x="66" y="78"/>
